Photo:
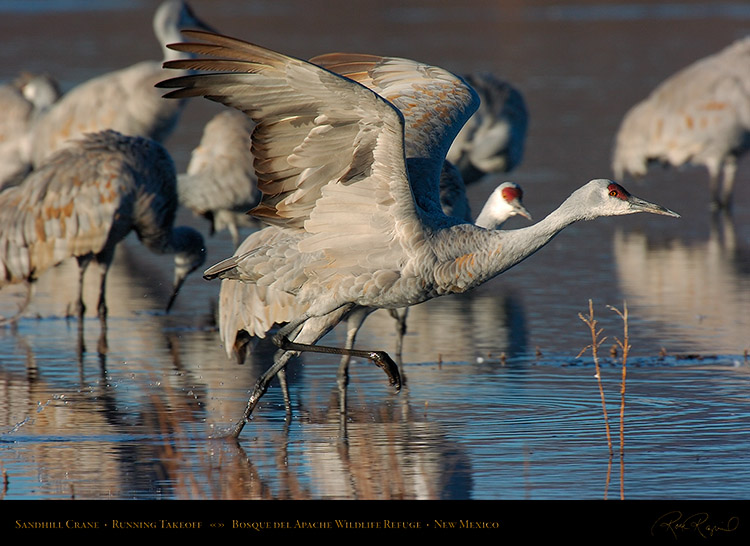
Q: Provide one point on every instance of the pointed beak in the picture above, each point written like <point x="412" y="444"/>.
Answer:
<point x="177" y="286"/>
<point x="641" y="205"/>
<point x="521" y="210"/>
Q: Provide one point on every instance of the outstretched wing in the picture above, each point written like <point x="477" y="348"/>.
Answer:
<point x="434" y="102"/>
<point x="329" y="153"/>
<point x="314" y="129"/>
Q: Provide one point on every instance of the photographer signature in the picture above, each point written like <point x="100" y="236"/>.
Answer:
<point x="699" y="523"/>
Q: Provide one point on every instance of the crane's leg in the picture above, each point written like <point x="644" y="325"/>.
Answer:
<point x="379" y="358"/>
<point x="400" y="316"/>
<point x="83" y="264"/>
<point x="354" y="322"/>
<point x="234" y="232"/>
<point x="102" y="305"/>
<point x="278" y="368"/>
<point x="261" y="386"/>
<point x="285" y="391"/>
<point x="21" y="308"/>
<point x="730" y="172"/>
<point x="103" y="260"/>
<point x="305" y="338"/>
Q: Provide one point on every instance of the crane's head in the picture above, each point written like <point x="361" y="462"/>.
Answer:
<point x="190" y="254"/>
<point x="512" y="198"/>
<point x="170" y="18"/>
<point x="603" y="197"/>
<point x="505" y="201"/>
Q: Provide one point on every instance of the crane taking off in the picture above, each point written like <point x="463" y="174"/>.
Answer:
<point x="699" y="116"/>
<point x="83" y="200"/>
<point x="341" y="198"/>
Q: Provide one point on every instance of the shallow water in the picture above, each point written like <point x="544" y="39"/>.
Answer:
<point x="497" y="405"/>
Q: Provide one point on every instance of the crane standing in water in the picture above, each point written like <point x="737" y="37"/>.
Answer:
<point x="353" y="222"/>
<point x="83" y="200"/>
<point x="700" y="116"/>
<point x="394" y="79"/>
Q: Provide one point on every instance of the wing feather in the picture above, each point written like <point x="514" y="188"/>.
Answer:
<point x="434" y="102"/>
<point x="322" y="142"/>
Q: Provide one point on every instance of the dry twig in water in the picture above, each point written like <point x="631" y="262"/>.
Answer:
<point x="625" y="348"/>
<point x="594" y="346"/>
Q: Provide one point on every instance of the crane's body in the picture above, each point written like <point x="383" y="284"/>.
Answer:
<point x="354" y="220"/>
<point x="699" y="116"/>
<point x="83" y="200"/>
<point x="220" y="182"/>
<point x="493" y="139"/>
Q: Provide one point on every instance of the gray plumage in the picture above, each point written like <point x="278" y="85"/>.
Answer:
<point x="124" y="100"/>
<point x="352" y="222"/>
<point x="699" y="116"/>
<point x="493" y="140"/>
<point x="22" y="101"/>
<point x="504" y="202"/>
<point x="83" y="200"/>
<point x="220" y="182"/>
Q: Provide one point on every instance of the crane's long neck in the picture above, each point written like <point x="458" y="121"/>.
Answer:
<point x="491" y="252"/>
<point x="518" y="244"/>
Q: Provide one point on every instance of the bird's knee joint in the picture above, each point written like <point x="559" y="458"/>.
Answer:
<point x="280" y="340"/>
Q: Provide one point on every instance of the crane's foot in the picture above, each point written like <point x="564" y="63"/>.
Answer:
<point x="384" y="361"/>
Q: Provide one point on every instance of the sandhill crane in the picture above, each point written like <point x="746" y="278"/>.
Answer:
<point x="240" y="322"/>
<point x="124" y="100"/>
<point x="220" y="182"/>
<point x="247" y="310"/>
<point x="699" y="116"/>
<point x="496" y="135"/>
<point x="347" y="226"/>
<point x="492" y="141"/>
<point x="83" y="200"/>
<point x="22" y="101"/>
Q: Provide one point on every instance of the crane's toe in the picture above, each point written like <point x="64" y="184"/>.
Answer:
<point x="384" y="361"/>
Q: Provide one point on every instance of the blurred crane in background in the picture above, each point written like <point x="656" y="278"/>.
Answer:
<point x="700" y="116"/>
<point x="493" y="139"/>
<point x="124" y="100"/>
<point x="22" y="102"/>
<point x="85" y="199"/>
<point x="220" y="183"/>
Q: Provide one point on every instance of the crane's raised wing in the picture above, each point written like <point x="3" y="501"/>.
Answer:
<point x="434" y="102"/>
<point x="314" y="128"/>
<point x="329" y="153"/>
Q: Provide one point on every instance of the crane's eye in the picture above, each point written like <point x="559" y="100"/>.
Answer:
<point x="615" y="190"/>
